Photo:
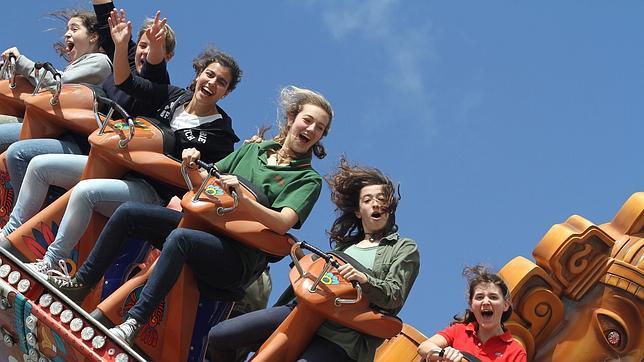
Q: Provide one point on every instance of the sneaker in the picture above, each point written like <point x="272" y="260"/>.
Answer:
<point x="127" y="330"/>
<point x="71" y="287"/>
<point x="41" y="267"/>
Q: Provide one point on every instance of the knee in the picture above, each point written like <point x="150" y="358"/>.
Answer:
<point x="83" y="191"/>
<point x="220" y="336"/>
<point x="177" y="239"/>
<point x="14" y="152"/>
<point x="126" y="211"/>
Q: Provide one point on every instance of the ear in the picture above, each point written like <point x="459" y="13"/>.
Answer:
<point x="506" y="305"/>
<point x="358" y="214"/>
<point x="169" y="56"/>
<point x="93" y="38"/>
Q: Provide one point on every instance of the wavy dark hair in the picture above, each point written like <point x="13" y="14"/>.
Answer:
<point x="476" y="275"/>
<point x="346" y="183"/>
<point x="213" y="55"/>
<point x="88" y="18"/>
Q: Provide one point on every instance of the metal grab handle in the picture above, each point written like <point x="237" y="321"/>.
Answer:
<point x="113" y="106"/>
<point x="8" y="70"/>
<point x="48" y="67"/>
<point x="213" y="171"/>
<point x="330" y="262"/>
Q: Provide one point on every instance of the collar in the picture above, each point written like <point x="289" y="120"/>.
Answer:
<point x="265" y="146"/>
<point x="506" y="337"/>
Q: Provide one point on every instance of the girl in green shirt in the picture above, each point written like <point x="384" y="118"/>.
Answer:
<point x="281" y="168"/>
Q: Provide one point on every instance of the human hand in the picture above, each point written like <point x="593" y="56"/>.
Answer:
<point x="230" y="183"/>
<point x="254" y="139"/>
<point x="449" y="354"/>
<point x="189" y="156"/>
<point x="12" y="50"/>
<point x="156" y="32"/>
<point x="348" y="272"/>
<point x="120" y="27"/>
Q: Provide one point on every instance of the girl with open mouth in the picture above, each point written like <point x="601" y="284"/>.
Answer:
<point x="480" y="334"/>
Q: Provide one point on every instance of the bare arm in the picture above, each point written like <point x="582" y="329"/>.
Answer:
<point x="437" y="343"/>
<point x="121" y="31"/>
<point x="278" y="221"/>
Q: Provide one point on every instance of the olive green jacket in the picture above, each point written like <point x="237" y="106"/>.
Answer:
<point x="395" y="268"/>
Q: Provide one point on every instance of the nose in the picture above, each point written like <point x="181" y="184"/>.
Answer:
<point x="68" y="33"/>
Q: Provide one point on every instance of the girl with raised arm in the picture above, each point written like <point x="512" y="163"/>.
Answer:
<point x="193" y="115"/>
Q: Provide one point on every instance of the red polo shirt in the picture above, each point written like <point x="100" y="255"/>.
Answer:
<point x="498" y="348"/>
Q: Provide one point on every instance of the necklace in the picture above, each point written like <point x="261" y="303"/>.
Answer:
<point x="283" y="157"/>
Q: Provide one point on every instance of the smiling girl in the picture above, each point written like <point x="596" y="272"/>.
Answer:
<point x="193" y="115"/>
<point x="217" y="261"/>
<point x="480" y="332"/>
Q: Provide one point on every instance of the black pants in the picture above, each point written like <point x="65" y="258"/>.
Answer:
<point x="252" y="329"/>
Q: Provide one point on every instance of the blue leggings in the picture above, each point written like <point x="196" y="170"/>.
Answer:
<point x="252" y="329"/>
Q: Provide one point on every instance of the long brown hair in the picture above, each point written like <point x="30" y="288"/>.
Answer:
<point x="346" y="183"/>
<point x="476" y="275"/>
<point x="88" y="18"/>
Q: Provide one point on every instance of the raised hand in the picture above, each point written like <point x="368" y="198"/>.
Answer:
<point x="14" y="50"/>
<point x="120" y="27"/>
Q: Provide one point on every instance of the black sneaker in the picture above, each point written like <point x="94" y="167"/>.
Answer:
<point x="71" y="287"/>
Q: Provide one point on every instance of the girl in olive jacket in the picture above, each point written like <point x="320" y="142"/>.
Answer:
<point x="365" y="230"/>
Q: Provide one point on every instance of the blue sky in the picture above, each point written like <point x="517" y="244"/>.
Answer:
<point x="498" y="119"/>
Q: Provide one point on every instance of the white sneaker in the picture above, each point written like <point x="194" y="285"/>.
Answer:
<point x="127" y="330"/>
<point x="41" y="267"/>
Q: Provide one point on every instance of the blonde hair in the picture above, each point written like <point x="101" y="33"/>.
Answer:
<point x="291" y="101"/>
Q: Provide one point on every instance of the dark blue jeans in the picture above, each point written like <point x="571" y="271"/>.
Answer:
<point x="252" y="329"/>
<point x="213" y="259"/>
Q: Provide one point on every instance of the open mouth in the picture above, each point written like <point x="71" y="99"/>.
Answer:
<point x="70" y="46"/>
<point x="487" y="313"/>
<point x="303" y="138"/>
<point x="206" y="91"/>
<point x="376" y="214"/>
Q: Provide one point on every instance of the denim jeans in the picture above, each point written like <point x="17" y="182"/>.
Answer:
<point x="43" y="171"/>
<point x="9" y="119"/>
<point x="213" y="259"/>
<point x="101" y="195"/>
<point x="20" y="153"/>
<point x="252" y="329"/>
<point x="9" y="133"/>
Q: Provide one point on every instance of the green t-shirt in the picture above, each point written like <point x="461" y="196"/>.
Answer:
<point x="296" y="186"/>
<point x="364" y="256"/>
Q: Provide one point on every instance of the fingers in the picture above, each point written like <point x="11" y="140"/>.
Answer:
<point x="452" y="354"/>
<point x="254" y="139"/>
<point x="189" y="156"/>
<point x="348" y="272"/>
<point x="230" y="182"/>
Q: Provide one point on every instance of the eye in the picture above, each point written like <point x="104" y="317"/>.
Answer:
<point x="613" y="332"/>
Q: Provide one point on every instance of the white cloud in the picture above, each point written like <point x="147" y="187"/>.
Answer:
<point x="409" y="47"/>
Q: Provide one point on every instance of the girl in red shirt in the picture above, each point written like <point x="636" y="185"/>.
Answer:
<point x="480" y="331"/>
